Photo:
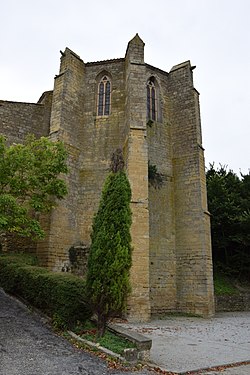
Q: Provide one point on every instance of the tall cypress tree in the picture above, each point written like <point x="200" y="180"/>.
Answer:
<point x="110" y="252"/>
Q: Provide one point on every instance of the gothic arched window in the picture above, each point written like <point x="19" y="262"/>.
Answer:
<point x="104" y="97"/>
<point x="151" y="100"/>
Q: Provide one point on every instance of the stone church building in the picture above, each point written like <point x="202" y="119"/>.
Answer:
<point x="154" y="116"/>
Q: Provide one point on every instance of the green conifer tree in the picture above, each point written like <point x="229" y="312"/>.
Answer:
<point x="110" y="252"/>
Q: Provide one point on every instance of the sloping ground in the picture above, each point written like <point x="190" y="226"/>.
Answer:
<point x="28" y="346"/>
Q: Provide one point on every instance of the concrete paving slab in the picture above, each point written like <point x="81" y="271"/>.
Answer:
<point x="182" y="344"/>
<point x="241" y="370"/>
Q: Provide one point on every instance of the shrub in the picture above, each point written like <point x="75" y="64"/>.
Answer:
<point x="59" y="295"/>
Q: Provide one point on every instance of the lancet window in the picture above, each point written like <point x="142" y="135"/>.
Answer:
<point x="151" y="100"/>
<point x="104" y="97"/>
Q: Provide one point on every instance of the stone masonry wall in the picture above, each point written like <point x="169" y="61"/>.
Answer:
<point x="90" y="141"/>
<point x="161" y="206"/>
<point x="100" y="136"/>
<point x="17" y="120"/>
<point x="238" y="302"/>
<point x="137" y="169"/>
<point x="66" y="115"/>
<point x="193" y="247"/>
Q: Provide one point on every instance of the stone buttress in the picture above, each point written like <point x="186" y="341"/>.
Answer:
<point x="154" y="116"/>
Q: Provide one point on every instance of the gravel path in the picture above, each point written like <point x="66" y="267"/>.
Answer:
<point x="29" y="347"/>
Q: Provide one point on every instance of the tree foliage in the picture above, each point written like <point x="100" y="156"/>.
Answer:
<point x="29" y="183"/>
<point x="229" y="204"/>
<point x="110" y="252"/>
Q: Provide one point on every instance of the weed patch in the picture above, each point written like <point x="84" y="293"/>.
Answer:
<point x="113" y="342"/>
<point x="223" y="285"/>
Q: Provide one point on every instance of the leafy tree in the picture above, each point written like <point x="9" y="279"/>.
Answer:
<point x="29" y="184"/>
<point x="229" y="204"/>
<point x="110" y="252"/>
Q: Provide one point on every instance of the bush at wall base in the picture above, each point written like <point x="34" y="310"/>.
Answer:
<point x="59" y="295"/>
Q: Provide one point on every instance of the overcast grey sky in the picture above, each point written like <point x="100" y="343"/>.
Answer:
<point x="213" y="34"/>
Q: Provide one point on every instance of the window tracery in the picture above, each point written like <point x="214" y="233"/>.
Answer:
<point x="152" y="104"/>
<point x="104" y="97"/>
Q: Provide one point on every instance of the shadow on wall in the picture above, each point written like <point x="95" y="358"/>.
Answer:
<point x="78" y="259"/>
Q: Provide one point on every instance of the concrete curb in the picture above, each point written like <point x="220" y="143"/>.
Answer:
<point x="215" y="368"/>
<point x="140" y="353"/>
<point x="97" y="346"/>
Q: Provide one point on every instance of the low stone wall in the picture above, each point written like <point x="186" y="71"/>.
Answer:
<point x="143" y="343"/>
<point x="237" y="302"/>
